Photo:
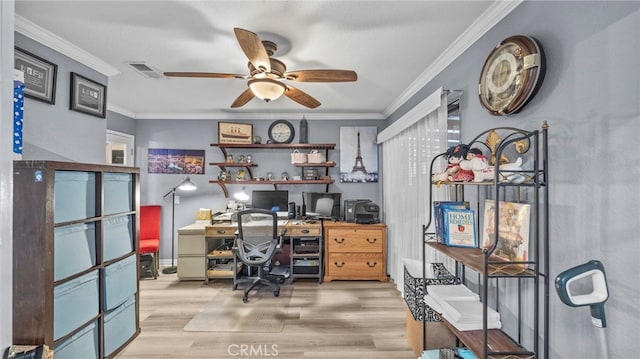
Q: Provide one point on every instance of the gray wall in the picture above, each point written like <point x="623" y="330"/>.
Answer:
<point x="590" y="98"/>
<point x="200" y="134"/>
<point x="53" y="132"/>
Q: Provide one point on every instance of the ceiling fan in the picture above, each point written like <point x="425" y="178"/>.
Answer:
<point x="266" y="74"/>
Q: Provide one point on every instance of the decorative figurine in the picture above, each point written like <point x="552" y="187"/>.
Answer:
<point x="285" y="176"/>
<point x="269" y="176"/>
<point x="229" y="158"/>
<point x="240" y="175"/>
<point x="241" y="159"/>
<point x="249" y="159"/>
<point x="257" y="140"/>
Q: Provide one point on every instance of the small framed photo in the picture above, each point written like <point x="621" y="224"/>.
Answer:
<point x="39" y="76"/>
<point x="88" y="96"/>
<point x="235" y="133"/>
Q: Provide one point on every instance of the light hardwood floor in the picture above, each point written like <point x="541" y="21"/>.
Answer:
<point x="340" y="319"/>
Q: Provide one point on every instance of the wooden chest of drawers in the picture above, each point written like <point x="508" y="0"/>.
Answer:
<point x="355" y="251"/>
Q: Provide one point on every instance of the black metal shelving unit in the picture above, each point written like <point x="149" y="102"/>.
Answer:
<point x="529" y="340"/>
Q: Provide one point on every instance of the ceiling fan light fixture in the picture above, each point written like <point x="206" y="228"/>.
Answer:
<point x="267" y="89"/>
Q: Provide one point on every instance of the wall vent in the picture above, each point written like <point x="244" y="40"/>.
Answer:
<point x="145" y="70"/>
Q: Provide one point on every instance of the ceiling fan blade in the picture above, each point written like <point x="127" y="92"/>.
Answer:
<point x="242" y="100"/>
<point x="254" y="49"/>
<point x="301" y="97"/>
<point x="321" y="75"/>
<point x="205" y="74"/>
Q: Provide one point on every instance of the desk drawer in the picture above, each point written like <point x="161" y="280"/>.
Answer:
<point x="191" y="244"/>
<point x="303" y="232"/>
<point x="346" y="241"/>
<point x="355" y="266"/>
<point x="220" y="231"/>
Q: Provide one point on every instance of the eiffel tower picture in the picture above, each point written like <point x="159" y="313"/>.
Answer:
<point x="362" y="150"/>
<point x="359" y="172"/>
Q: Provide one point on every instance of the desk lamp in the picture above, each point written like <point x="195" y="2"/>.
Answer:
<point x="185" y="185"/>
<point x="241" y="197"/>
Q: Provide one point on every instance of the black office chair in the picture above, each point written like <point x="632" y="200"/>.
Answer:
<point x="256" y="244"/>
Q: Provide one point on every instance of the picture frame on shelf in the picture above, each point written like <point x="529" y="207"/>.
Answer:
<point x="235" y="133"/>
<point x="39" y="75"/>
<point x="88" y="96"/>
<point x="514" y="223"/>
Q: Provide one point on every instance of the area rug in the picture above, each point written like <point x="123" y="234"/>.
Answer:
<point x="226" y="312"/>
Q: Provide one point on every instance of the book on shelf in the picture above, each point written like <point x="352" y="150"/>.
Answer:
<point x="459" y="227"/>
<point x="513" y="224"/>
<point x="438" y="206"/>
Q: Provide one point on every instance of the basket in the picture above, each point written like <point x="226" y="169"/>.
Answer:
<point x="298" y="157"/>
<point x="316" y="157"/>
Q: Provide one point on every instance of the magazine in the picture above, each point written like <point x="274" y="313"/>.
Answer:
<point x="459" y="227"/>
<point x="513" y="241"/>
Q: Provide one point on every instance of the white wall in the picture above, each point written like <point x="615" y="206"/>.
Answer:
<point x="6" y="172"/>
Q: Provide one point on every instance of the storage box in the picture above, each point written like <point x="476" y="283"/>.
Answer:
<point x="74" y="249"/>
<point x="83" y="344"/>
<point x="118" y="237"/>
<point x="119" y="325"/>
<point x="74" y="195"/>
<point x="75" y="303"/>
<point x="120" y="282"/>
<point x="118" y="192"/>
<point x="438" y="335"/>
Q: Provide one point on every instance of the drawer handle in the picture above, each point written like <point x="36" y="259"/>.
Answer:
<point x="341" y="240"/>
<point x="372" y="241"/>
<point x="339" y="265"/>
<point x="221" y="231"/>
<point x="305" y="231"/>
<point x="372" y="265"/>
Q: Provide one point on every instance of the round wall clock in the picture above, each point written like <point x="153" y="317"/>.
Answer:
<point x="511" y="75"/>
<point x="281" y="131"/>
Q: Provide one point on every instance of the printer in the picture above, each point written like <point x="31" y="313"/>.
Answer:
<point x="361" y="211"/>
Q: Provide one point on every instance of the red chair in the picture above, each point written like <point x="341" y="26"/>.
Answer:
<point x="150" y="234"/>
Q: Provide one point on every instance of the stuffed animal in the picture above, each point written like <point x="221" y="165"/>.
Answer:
<point x="512" y="175"/>
<point x="478" y="164"/>
<point x="466" y="173"/>
<point x="454" y="155"/>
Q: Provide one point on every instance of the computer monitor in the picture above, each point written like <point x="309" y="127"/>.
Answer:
<point x="270" y="199"/>
<point x="311" y="202"/>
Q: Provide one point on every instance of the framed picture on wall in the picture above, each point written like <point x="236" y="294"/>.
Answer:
<point x="238" y="133"/>
<point x="358" y="155"/>
<point x="39" y="76"/>
<point x="88" y="96"/>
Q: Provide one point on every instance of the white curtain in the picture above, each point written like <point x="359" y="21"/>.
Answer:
<point x="407" y="155"/>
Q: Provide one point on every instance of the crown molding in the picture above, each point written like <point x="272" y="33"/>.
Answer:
<point x="249" y="115"/>
<point x="55" y="42"/>
<point x="489" y="18"/>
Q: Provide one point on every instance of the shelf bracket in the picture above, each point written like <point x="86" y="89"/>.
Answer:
<point x="224" y="189"/>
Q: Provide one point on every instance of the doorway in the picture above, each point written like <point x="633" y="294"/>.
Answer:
<point x="119" y="149"/>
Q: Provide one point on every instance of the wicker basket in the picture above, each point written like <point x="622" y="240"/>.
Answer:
<point x="316" y="157"/>
<point x="298" y="157"/>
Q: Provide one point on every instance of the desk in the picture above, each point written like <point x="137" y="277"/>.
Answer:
<point x="197" y="244"/>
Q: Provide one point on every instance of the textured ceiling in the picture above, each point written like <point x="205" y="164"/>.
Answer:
<point x="389" y="44"/>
